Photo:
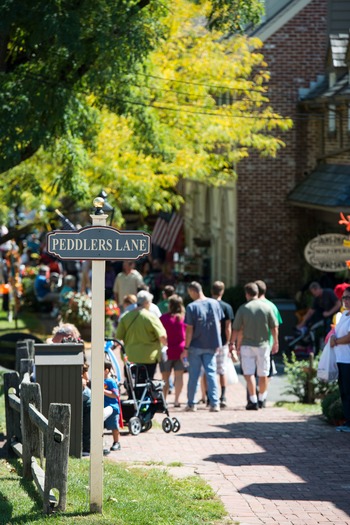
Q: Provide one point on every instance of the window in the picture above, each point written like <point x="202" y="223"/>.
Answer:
<point x="332" y="125"/>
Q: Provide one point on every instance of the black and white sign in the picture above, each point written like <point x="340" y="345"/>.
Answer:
<point x="327" y="252"/>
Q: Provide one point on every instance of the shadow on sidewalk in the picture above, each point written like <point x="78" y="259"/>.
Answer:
<point x="310" y="450"/>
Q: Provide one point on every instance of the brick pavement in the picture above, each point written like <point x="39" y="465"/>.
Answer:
<point x="268" y="467"/>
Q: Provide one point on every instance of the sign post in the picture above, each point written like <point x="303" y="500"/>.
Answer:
<point x="97" y="376"/>
<point x="98" y="243"/>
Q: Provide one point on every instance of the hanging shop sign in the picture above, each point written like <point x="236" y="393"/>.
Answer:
<point x="327" y="252"/>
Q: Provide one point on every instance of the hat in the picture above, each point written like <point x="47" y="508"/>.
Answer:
<point x="144" y="297"/>
<point x="340" y="289"/>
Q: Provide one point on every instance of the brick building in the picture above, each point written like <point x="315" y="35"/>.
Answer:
<point x="255" y="228"/>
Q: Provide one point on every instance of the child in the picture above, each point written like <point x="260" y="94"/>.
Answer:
<point x="111" y="405"/>
<point x="69" y="285"/>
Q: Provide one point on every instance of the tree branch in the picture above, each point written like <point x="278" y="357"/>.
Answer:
<point x="3" y="51"/>
<point x="26" y="153"/>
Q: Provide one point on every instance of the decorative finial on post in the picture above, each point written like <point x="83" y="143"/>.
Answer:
<point x="98" y="205"/>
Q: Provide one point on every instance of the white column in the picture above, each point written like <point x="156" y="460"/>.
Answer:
<point x="97" y="376"/>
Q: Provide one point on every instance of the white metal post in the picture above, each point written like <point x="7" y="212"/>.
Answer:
<point x="97" y="375"/>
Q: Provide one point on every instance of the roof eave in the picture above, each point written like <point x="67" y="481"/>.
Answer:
<point x="331" y="209"/>
<point x="273" y="25"/>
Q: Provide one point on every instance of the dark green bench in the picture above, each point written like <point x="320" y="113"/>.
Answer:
<point x="8" y="347"/>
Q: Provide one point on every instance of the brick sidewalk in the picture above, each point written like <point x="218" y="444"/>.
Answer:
<point x="268" y="467"/>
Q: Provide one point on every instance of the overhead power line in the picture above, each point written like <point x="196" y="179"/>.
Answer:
<point x="301" y="116"/>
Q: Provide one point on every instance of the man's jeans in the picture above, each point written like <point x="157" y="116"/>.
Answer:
<point x="198" y="357"/>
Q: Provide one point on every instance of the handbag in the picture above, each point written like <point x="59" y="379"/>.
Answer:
<point x="327" y="369"/>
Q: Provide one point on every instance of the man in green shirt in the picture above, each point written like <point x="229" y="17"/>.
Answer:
<point x="256" y="322"/>
<point x="143" y="334"/>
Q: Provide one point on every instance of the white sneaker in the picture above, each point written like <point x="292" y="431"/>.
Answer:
<point x="214" y="408"/>
<point x="191" y="408"/>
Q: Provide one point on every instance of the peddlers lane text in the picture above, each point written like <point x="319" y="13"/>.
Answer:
<point x="98" y="242"/>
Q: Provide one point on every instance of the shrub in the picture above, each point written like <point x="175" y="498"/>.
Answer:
<point x="332" y="407"/>
<point x="303" y="382"/>
<point x="77" y="310"/>
<point x="336" y="413"/>
<point x="28" y="297"/>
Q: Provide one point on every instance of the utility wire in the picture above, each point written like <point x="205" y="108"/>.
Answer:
<point x="301" y="116"/>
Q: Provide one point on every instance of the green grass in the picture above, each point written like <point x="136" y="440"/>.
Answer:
<point x="132" y="496"/>
<point x="2" y="405"/>
<point x="303" y="408"/>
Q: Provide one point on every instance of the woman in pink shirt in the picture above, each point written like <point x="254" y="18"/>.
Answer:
<point x="173" y="322"/>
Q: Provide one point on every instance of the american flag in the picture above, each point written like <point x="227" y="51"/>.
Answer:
<point x="65" y="223"/>
<point x="166" y="230"/>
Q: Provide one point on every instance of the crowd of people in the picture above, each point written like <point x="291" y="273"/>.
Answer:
<point x="200" y="338"/>
<point x="54" y="279"/>
<point x="157" y="329"/>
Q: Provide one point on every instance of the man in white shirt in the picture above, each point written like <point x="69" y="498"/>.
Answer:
<point x="127" y="282"/>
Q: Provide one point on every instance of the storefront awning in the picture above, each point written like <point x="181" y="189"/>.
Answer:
<point x="326" y="188"/>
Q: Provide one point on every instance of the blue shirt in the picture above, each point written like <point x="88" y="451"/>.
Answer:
<point x="204" y="316"/>
<point x="110" y="384"/>
<point x="41" y="286"/>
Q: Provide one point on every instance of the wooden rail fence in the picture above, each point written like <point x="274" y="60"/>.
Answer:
<point x="29" y="433"/>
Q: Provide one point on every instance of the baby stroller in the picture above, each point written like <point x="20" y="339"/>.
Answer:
<point x="144" y="397"/>
<point x="306" y="340"/>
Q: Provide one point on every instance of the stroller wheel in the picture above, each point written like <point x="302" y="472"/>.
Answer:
<point x="176" y="424"/>
<point x="167" y="425"/>
<point x="147" y="426"/>
<point x="135" y="426"/>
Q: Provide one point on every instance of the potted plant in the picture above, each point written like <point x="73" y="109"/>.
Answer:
<point x="77" y="311"/>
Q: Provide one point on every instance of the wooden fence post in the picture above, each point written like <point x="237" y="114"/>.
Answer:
<point x="26" y="367"/>
<point x="56" y="471"/>
<point x="32" y="438"/>
<point x="13" y="418"/>
<point x="24" y="350"/>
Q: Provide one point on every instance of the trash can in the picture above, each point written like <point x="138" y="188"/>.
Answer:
<point x="58" y="370"/>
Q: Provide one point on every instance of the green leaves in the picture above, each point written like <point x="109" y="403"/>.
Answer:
<point x="49" y="51"/>
<point x="233" y="16"/>
<point x="130" y="95"/>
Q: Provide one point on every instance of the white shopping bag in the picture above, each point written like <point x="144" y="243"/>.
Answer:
<point x="164" y="352"/>
<point x="231" y="374"/>
<point x="327" y="366"/>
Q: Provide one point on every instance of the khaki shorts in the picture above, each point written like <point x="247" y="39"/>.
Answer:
<point x="221" y="360"/>
<point x="255" y="358"/>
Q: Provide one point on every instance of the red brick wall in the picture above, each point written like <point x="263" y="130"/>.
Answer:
<point x="271" y="231"/>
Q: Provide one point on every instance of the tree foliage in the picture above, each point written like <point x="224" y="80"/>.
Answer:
<point x="51" y="52"/>
<point x="130" y="96"/>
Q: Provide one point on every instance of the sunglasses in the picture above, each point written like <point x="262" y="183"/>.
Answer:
<point x="345" y="297"/>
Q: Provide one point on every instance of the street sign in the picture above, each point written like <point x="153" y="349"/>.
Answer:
<point x="328" y="252"/>
<point x="98" y="242"/>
